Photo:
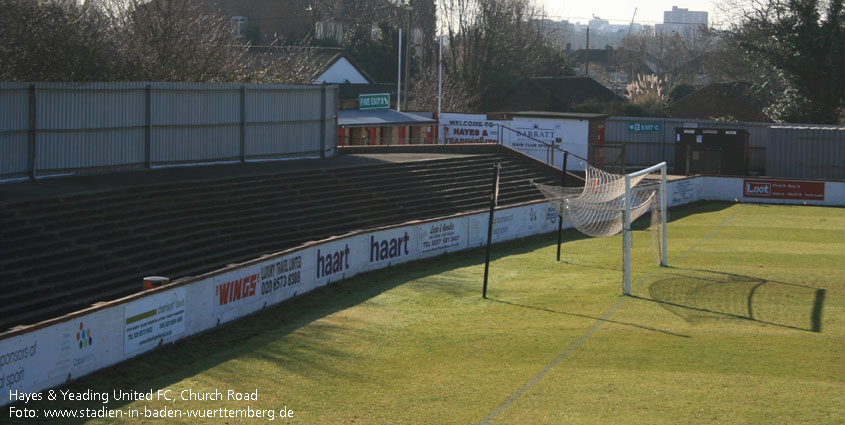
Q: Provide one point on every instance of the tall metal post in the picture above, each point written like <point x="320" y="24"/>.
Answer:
<point x="399" y="75"/>
<point x="410" y="9"/>
<point x="243" y="124"/>
<point x="323" y="120"/>
<point x="663" y="140"/>
<point x="440" y="77"/>
<point x="493" y="196"/>
<point x="587" y="56"/>
<point x="148" y="126"/>
<point x="32" y="139"/>
<point x="663" y="215"/>
<point x="501" y="140"/>
<point x="560" y="216"/>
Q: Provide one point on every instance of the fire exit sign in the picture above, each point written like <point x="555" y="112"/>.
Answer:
<point x="374" y="101"/>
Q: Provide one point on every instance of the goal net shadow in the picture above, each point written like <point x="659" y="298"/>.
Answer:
<point x="702" y="296"/>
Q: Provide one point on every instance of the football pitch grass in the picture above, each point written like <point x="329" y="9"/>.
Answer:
<point x="746" y="325"/>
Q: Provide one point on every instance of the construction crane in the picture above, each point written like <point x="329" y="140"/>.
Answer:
<point x="632" y="21"/>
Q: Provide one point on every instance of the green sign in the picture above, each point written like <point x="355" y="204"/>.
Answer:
<point x="645" y="127"/>
<point x="374" y="101"/>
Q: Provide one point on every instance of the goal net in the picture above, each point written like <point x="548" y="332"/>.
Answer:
<point x="608" y="204"/>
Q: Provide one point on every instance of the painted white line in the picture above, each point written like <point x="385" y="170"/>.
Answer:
<point x="598" y="323"/>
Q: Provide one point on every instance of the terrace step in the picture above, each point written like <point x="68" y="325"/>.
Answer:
<point x="61" y="254"/>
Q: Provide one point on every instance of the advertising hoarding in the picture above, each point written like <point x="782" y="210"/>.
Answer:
<point x="783" y="189"/>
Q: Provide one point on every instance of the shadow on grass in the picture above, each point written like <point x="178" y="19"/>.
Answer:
<point x="193" y="355"/>
<point x="589" y="317"/>
<point x="250" y="335"/>
<point x="644" y="223"/>
<point x="700" y="295"/>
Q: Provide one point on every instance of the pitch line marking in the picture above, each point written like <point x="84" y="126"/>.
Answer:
<point x="598" y="323"/>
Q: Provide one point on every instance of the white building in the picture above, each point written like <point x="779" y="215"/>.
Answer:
<point x="683" y="22"/>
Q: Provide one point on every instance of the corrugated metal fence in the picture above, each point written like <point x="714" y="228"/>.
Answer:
<point x="806" y="152"/>
<point x="55" y="128"/>
<point x="794" y="151"/>
<point x="644" y="148"/>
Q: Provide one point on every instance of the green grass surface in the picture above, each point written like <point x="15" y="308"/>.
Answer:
<point x="747" y="325"/>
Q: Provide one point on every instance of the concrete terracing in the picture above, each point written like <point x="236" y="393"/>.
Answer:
<point x="69" y="242"/>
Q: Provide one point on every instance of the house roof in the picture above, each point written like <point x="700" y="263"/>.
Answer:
<point x="331" y="60"/>
<point x="735" y="100"/>
<point x="602" y="56"/>
<point x="323" y="58"/>
<point x="544" y="114"/>
<point x="379" y="118"/>
<point x="572" y="90"/>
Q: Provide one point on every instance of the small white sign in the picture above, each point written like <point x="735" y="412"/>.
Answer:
<point x="154" y="319"/>
<point x="439" y="236"/>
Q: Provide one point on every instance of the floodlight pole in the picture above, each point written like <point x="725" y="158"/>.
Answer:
<point x="409" y="9"/>
<point x="399" y="76"/>
<point x="440" y="77"/>
<point x="560" y="216"/>
<point x="493" y="199"/>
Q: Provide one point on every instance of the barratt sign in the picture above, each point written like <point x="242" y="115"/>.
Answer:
<point x="783" y="189"/>
<point x="374" y="101"/>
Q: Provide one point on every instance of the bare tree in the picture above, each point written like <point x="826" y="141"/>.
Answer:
<point x="56" y="40"/>
<point x="674" y="57"/>
<point x="284" y="64"/>
<point x="456" y="98"/>
<point x="177" y="40"/>
<point x="494" y="44"/>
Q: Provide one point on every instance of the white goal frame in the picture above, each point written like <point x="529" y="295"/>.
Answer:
<point x="626" y="229"/>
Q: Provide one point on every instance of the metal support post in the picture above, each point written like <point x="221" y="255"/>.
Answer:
<point x="663" y="216"/>
<point x="243" y="124"/>
<point x="560" y="216"/>
<point x="148" y="126"/>
<point x="323" y="121"/>
<point x="32" y="141"/>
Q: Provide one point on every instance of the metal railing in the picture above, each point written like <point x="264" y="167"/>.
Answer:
<point x="609" y="157"/>
<point x="550" y="149"/>
<point x="385" y="141"/>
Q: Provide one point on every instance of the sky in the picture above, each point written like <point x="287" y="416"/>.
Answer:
<point x="621" y="11"/>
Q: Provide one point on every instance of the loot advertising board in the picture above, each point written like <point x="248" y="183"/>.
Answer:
<point x="783" y="189"/>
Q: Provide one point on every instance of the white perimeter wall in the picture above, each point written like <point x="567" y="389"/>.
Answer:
<point x="49" y="356"/>
<point x="68" y="349"/>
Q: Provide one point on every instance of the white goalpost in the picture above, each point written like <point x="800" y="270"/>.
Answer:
<point x="608" y="204"/>
<point x="658" y="207"/>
